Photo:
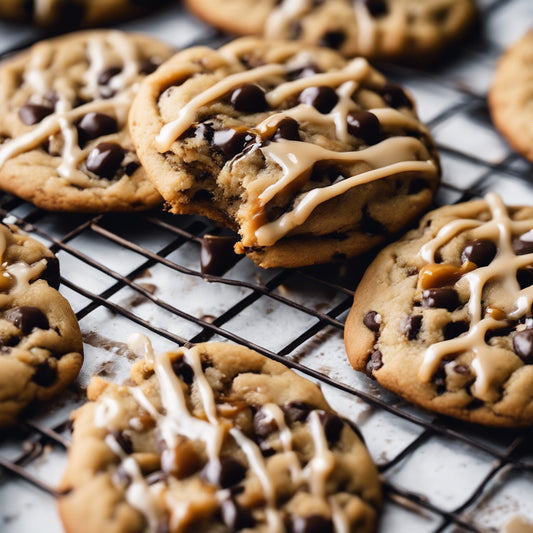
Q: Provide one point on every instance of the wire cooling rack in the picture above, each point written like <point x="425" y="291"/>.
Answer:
<point x="130" y="273"/>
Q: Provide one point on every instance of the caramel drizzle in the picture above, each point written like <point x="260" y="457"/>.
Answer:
<point x="177" y="420"/>
<point x="38" y="77"/>
<point x="295" y="157"/>
<point x="514" y="301"/>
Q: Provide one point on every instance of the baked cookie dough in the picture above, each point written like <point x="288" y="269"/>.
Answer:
<point x="215" y="438"/>
<point x="443" y="316"/>
<point x="40" y="340"/>
<point x="511" y="96"/>
<point x="73" y="14"/>
<point x="308" y="156"/>
<point x="63" y="129"/>
<point x="404" y="30"/>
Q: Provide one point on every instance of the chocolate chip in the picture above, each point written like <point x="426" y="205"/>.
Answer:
<point x="322" y="98"/>
<point x="105" y="159"/>
<point x="147" y="66"/>
<point x="333" y="39"/>
<point x="439" y="378"/>
<point x="453" y="329"/>
<point x="441" y="297"/>
<point x="311" y="524"/>
<point x="93" y="125"/>
<point x="131" y="167"/>
<point x="375" y="362"/>
<point x="523" y="345"/>
<point x="232" y="472"/>
<point x="332" y="425"/>
<point x="377" y="8"/>
<point x="287" y="129"/>
<point x="481" y="252"/>
<point x="394" y="95"/>
<point x="51" y="272"/>
<point x="27" y="318"/>
<point x="232" y="142"/>
<point x="217" y="254"/>
<point x="45" y="375"/>
<point x="372" y="320"/>
<point x="123" y="441"/>
<point x="304" y="72"/>
<point x="417" y="185"/>
<point x="411" y="326"/>
<point x="296" y="411"/>
<point x="249" y="98"/>
<point x="183" y="370"/>
<point x="524" y="278"/>
<point x="264" y="425"/>
<point x="235" y="516"/>
<point x="105" y="76"/>
<point x="364" y="125"/>
<point x="500" y="332"/>
<point x="69" y="14"/>
<point x="524" y="244"/>
<point x="371" y="226"/>
<point x="31" y="114"/>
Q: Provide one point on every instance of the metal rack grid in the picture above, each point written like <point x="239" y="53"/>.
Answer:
<point x="136" y="272"/>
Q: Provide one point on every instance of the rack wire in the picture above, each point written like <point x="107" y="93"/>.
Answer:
<point x="146" y="274"/>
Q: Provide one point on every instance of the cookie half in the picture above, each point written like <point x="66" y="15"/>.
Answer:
<point x="307" y="155"/>
<point x="74" y="14"/>
<point x="443" y="317"/>
<point x="63" y="108"/>
<point x="216" y="438"/>
<point x="404" y="30"/>
<point x="40" y="340"/>
<point x="511" y="96"/>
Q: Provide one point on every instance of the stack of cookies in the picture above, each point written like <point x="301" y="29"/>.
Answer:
<point x="292" y="139"/>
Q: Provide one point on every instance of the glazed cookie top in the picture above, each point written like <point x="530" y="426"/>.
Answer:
<point x="64" y="106"/>
<point x="511" y="98"/>
<point x="73" y="14"/>
<point x="40" y="340"/>
<point x="271" y="135"/>
<point x="444" y="315"/>
<point x="215" y="438"/>
<point x="413" y="30"/>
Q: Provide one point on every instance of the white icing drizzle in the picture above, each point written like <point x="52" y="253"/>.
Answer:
<point x="321" y="465"/>
<point x="257" y="464"/>
<point x="139" y="494"/>
<point x="513" y="301"/>
<point x="273" y="412"/>
<point x="23" y="274"/>
<point x="304" y="158"/>
<point x="187" y="115"/>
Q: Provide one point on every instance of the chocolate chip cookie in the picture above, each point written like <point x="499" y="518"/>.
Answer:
<point x="393" y="30"/>
<point x="63" y="128"/>
<point x="73" y="14"/>
<point x="307" y="155"/>
<point x="40" y="340"/>
<point x="511" y="98"/>
<point x="215" y="438"/>
<point x="443" y="317"/>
